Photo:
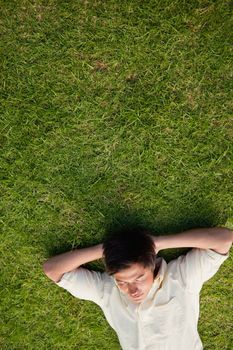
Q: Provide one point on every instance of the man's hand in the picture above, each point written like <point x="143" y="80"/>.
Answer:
<point x="218" y="239"/>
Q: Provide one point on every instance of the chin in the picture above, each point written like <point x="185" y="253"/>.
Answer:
<point x="137" y="301"/>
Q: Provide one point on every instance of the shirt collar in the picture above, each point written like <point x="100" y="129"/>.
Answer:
<point x="158" y="281"/>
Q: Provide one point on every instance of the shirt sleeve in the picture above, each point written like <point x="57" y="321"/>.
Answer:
<point x="85" y="284"/>
<point x="198" y="266"/>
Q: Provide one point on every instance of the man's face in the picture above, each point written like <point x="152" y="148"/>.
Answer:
<point x="136" y="281"/>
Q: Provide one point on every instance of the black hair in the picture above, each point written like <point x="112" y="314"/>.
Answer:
<point x="126" y="247"/>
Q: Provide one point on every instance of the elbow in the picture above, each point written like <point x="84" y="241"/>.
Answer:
<point x="227" y="236"/>
<point x="50" y="273"/>
<point x="46" y="268"/>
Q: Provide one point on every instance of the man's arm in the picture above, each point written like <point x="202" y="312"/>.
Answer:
<point x="218" y="239"/>
<point x="56" y="266"/>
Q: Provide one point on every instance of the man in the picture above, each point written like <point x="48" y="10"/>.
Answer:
<point x="150" y="304"/>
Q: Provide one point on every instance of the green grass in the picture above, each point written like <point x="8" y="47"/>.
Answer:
<point x="113" y="112"/>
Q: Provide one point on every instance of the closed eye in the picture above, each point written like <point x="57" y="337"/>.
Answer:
<point x="121" y="283"/>
<point x="140" y="279"/>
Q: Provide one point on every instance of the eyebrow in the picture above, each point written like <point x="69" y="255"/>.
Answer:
<point x="135" y="278"/>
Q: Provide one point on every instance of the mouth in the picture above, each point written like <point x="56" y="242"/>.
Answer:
<point x="136" y="297"/>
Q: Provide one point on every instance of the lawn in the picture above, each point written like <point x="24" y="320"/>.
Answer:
<point x="113" y="112"/>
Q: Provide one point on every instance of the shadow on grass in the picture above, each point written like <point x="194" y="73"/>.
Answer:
<point x="199" y="215"/>
<point x="173" y="220"/>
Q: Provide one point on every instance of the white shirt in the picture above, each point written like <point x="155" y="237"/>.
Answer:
<point x="167" y="318"/>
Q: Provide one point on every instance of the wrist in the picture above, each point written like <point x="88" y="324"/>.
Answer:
<point x="99" y="251"/>
<point x="157" y="243"/>
<point x="163" y="242"/>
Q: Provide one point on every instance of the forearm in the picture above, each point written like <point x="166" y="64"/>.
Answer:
<point x="217" y="238"/>
<point x="56" y="266"/>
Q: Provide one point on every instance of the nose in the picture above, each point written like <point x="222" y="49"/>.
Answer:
<point x="133" y="290"/>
